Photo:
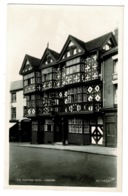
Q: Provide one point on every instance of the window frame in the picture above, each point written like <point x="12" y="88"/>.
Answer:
<point x="13" y="97"/>
<point x="13" y="113"/>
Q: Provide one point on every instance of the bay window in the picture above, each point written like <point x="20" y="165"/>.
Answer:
<point x="73" y="69"/>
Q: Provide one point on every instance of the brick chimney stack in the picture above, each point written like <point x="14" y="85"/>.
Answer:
<point x="116" y="34"/>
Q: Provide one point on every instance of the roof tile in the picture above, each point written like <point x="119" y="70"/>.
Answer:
<point x="16" y="85"/>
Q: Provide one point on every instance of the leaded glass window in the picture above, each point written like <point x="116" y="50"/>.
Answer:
<point x="75" y="125"/>
<point x="74" y="95"/>
<point x="29" y="79"/>
<point x="13" y="113"/>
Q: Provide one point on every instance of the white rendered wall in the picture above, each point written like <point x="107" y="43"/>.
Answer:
<point x="19" y="104"/>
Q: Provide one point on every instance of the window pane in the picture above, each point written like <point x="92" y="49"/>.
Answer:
<point x="32" y="97"/>
<point x="69" y="128"/>
<point x="25" y="82"/>
<point x="13" y="97"/>
<point x="85" y="97"/>
<point x="77" y="68"/>
<point x="75" y="98"/>
<point x="86" y="128"/>
<point x="67" y="70"/>
<point x="69" y="99"/>
<point x="13" y="113"/>
<point x="76" y="128"/>
<point x="38" y="80"/>
<point x="80" y="129"/>
<point x="79" y="97"/>
<point x="32" y="80"/>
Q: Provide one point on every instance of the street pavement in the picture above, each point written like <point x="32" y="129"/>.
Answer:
<point x="56" y="165"/>
<point x="85" y="149"/>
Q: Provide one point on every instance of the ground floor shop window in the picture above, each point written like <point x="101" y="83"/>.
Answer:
<point x="48" y="125"/>
<point x="86" y="126"/>
<point x="75" y="125"/>
<point x="86" y="129"/>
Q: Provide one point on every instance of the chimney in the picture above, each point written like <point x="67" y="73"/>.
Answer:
<point x="116" y="34"/>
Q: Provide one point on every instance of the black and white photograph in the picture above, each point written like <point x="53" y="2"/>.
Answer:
<point x="64" y="83"/>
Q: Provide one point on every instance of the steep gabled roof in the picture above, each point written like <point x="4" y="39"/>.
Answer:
<point x="98" y="42"/>
<point x="77" y="41"/>
<point x="16" y="85"/>
<point x="112" y="51"/>
<point x="80" y="42"/>
<point x="33" y="61"/>
<point x="91" y="45"/>
<point x="54" y="55"/>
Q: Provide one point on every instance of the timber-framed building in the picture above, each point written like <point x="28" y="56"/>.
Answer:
<point x="72" y="95"/>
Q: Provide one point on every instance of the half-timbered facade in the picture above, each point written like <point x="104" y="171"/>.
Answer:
<point x="72" y="95"/>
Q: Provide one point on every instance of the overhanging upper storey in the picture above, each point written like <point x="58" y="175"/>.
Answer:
<point x="47" y="63"/>
<point x="29" y="64"/>
<point x="31" y="74"/>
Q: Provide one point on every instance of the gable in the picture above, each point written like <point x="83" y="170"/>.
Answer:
<point x="29" y="63"/>
<point x="48" y="59"/>
<point x="27" y="67"/>
<point x="71" y="48"/>
<point x="108" y="44"/>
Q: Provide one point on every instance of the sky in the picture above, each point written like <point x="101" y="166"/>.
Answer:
<point x="31" y="27"/>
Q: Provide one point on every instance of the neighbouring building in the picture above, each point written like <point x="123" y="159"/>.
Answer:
<point x="72" y="95"/>
<point x="20" y="130"/>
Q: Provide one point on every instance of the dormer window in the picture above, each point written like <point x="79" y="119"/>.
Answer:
<point x="106" y="47"/>
<point x="28" y="67"/>
<point x="68" y="54"/>
<point x="71" y="44"/>
<point x="75" y="51"/>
